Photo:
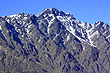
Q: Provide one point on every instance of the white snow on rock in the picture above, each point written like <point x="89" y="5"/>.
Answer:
<point x="50" y="22"/>
<point x="90" y="36"/>
<point x="25" y="18"/>
<point x="68" y="37"/>
<point x="108" y="36"/>
<point x="81" y="27"/>
<point x="71" y="24"/>
<point x="0" y="27"/>
<point x="12" y="15"/>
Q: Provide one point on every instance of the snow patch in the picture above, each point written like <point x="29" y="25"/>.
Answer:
<point x="12" y="15"/>
<point x="53" y="17"/>
<point x="50" y="22"/>
<point x="82" y="24"/>
<point x="68" y="37"/>
<point x="25" y="18"/>
<point x="39" y="40"/>
<point x="98" y="24"/>
<point x="108" y="36"/>
<point x="91" y="36"/>
<point x="0" y="27"/>
<point x="29" y="26"/>
<point x="59" y="17"/>
<point x="45" y="15"/>
<point x="95" y="33"/>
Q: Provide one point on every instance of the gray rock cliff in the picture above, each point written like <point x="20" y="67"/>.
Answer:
<point x="53" y="42"/>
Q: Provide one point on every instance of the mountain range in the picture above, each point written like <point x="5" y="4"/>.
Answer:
<point x="53" y="42"/>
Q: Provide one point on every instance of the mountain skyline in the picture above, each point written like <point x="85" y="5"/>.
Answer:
<point x="86" y="11"/>
<point x="53" y="42"/>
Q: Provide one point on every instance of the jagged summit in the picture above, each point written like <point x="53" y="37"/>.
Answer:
<point x="55" y="12"/>
<point x="53" y="42"/>
<point x="69" y="13"/>
<point x="81" y="30"/>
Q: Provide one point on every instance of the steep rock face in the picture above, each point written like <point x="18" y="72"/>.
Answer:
<point x="54" y="42"/>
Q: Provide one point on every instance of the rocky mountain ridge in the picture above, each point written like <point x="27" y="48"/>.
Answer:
<point x="53" y="41"/>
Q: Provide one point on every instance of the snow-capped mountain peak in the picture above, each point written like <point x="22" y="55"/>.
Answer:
<point x="83" y="31"/>
<point x="53" y="42"/>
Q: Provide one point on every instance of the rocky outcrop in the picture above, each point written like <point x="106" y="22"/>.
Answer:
<point x="54" y="42"/>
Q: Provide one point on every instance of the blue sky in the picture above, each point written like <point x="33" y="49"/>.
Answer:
<point x="89" y="11"/>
